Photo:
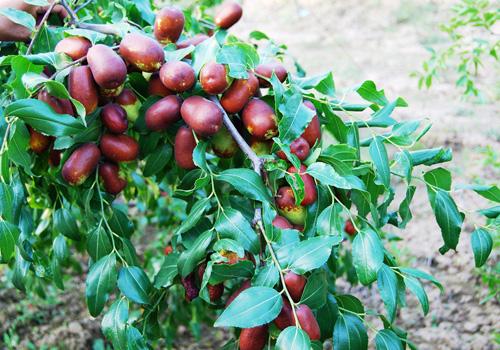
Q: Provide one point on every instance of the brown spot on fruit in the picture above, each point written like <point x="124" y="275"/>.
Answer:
<point x="238" y="94"/>
<point x="202" y="115"/>
<point x="108" y="69"/>
<point x="75" y="47"/>
<point x="261" y="147"/>
<point x="119" y="148"/>
<point x="163" y="113"/>
<point x="80" y="164"/>
<point x="168" y="26"/>
<point x="82" y="87"/>
<point x="228" y="14"/>
<point x="177" y="76"/>
<point x="142" y="52"/>
<point x="114" y="118"/>
<point x="110" y="176"/>
<point x="259" y="119"/>
<point x="185" y="144"/>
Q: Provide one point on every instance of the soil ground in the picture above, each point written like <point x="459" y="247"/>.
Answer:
<point x="383" y="41"/>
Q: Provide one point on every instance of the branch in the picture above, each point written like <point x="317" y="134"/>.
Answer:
<point x="42" y="23"/>
<point x="102" y="28"/>
<point x="83" y="5"/>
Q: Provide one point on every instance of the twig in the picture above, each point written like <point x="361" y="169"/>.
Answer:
<point x="102" y="28"/>
<point x="42" y="23"/>
<point x="82" y="6"/>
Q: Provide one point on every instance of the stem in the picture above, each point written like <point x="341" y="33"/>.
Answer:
<point x="102" y="28"/>
<point x="83" y="5"/>
<point x="42" y="23"/>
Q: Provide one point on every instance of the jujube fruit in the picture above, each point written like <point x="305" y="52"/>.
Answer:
<point x="228" y="14"/>
<point x="130" y="103"/>
<point x="107" y="94"/>
<point x="285" y="316"/>
<point x="110" y="176"/>
<point x="163" y="113"/>
<point x="215" y="291"/>
<point x="195" y="40"/>
<point x="299" y="147"/>
<point x="254" y="338"/>
<point x="312" y="133"/>
<point x="295" y="285"/>
<point x="308" y="322"/>
<point x="39" y="142"/>
<point x="191" y="289"/>
<point x="202" y="115"/>
<point x="310" y="192"/>
<point x="213" y="78"/>
<point x="54" y="157"/>
<point x="108" y="69"/>
<point x="349" y="228"/>
<point x="114" y="118"/>
<point x="81" y="163"/>
<point x="156" y="87"/>
<point x="177" y="76"/>
<point x="259" y="119"/>
<point x="223" y="144"/>
<point x="281" y="222"/>
<point x="184" y="146"/>
<point x="168" y="26"/>
<point x="59" y="105"/>
<point x="285" y="200"/>
<point x="168" y="250"/>
<point x="244" y="286"/>
<point x="75" y="47"/>
<point x="119" y="148"/>
<point x="238" y="94"/>
<point x="267" y="70"/>
<point x="261" y="147"/>
<point x="82" y="87"/>
<point x="142" y="52"/>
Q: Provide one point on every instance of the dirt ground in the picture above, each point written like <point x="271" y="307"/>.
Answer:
<point x="380" y="40"/>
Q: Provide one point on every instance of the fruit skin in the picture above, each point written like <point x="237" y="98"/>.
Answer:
<point x="130" y="103"/>
<point x="228" y="14"/>
<point x="168" y="250"/>
<point x="184" y="146"/>
<point x="177" y="76"/>
<point x="285" y="200"/>
<point x="299" y="147"/>
<point x="295" y="285"/>
<point x="245" y="285"/>
<point x="259" y="119"/>
<point x="74" y="46"/>
<point x="168" y="26"/>
<point x="223" y="144"/>
<point x="109" y="173"/>
<point x="195" y="40"/>
<point x="108" y="69"/>
<point x="238" y="94"/>
<point x="81" y="163"/>
<point x="163" y="113"/>
<point x="142" y="52"/>
<point x="308" y="322"/>
<point x="281" y="222"/>
<point x="59" y="105"/>
<point x="190" y="288"/>
<point x="285" y="316"/>
<point x="267" y="69"/>
<point x="213" y="78"/>
<point x="82" y="87"/>
<point x="261" y="147"/>
<point x="156" y="87"/>
<point x="254" y="338"/>
<point x="349" y="228"/>
<point x="119" y="148"/>
<point x="313" y="131"/>
<point x="114" y="118"/>
<point x="310" y="192"/>
<point x="39" y="142"/>
<point x="202" y="115"/>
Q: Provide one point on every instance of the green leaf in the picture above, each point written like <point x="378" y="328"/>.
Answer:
<point x="334" y="124"/>
<point x="296" y="117"/>
<point x="349" y="333"/>
<point x="120" y="223"/>
<point x="380" y="159"/>
<point x="387" y="285"/>
<point x="18" y="147"/>
<point x="293" y="338"/>
<point x="239" y="57"/>
<point x="101" y="280"/>
<point x="232" y="224"/>
<point x="482" y="244"/>
<point x="312" y="253"/>
<point x="65" y="223"/>
<point x="368" y="255"/>
<point x="199" y="155"/>
<point x="325" y="174"/>
<point x="19" y="17"/>
<point x="448" y="218"/>
<point x="99" y="243"/>
<point x="134" y="284"/>
<point x="247" y="182"/>
<point x="267" y="276"/>
<point x="37" y="2"/>
<point x="388" y="340"/>
<point x="60" y="248"/>
<point x="114" y="324"/>
<point x="316" y="290"/>
<point x="416" y="288"/>
<point x="204" y="53"/>
<point x="92" y="35"/>
<point x="328" y="315"/>
<point x="491" y="213"/>
<point x="8" y="239"/>
<point x="168" y="271"/>
<point x="177" y="55"/>
<point x="330" y="222"/>
<point x="431" y="156"/>
<point x="194" y="215"/>
<point x="489" y="192"/>
<point x="224" y="272"/>
<point x="42" y="118"/>
<point x="191" y="257"/>
<point x="253" y="307"/>
<point x="423" y="275"/>
<point x="404" y="207"/>
<point x="157" y="160"/>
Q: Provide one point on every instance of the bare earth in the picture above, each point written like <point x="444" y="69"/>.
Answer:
<point x="383" y="41"/>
